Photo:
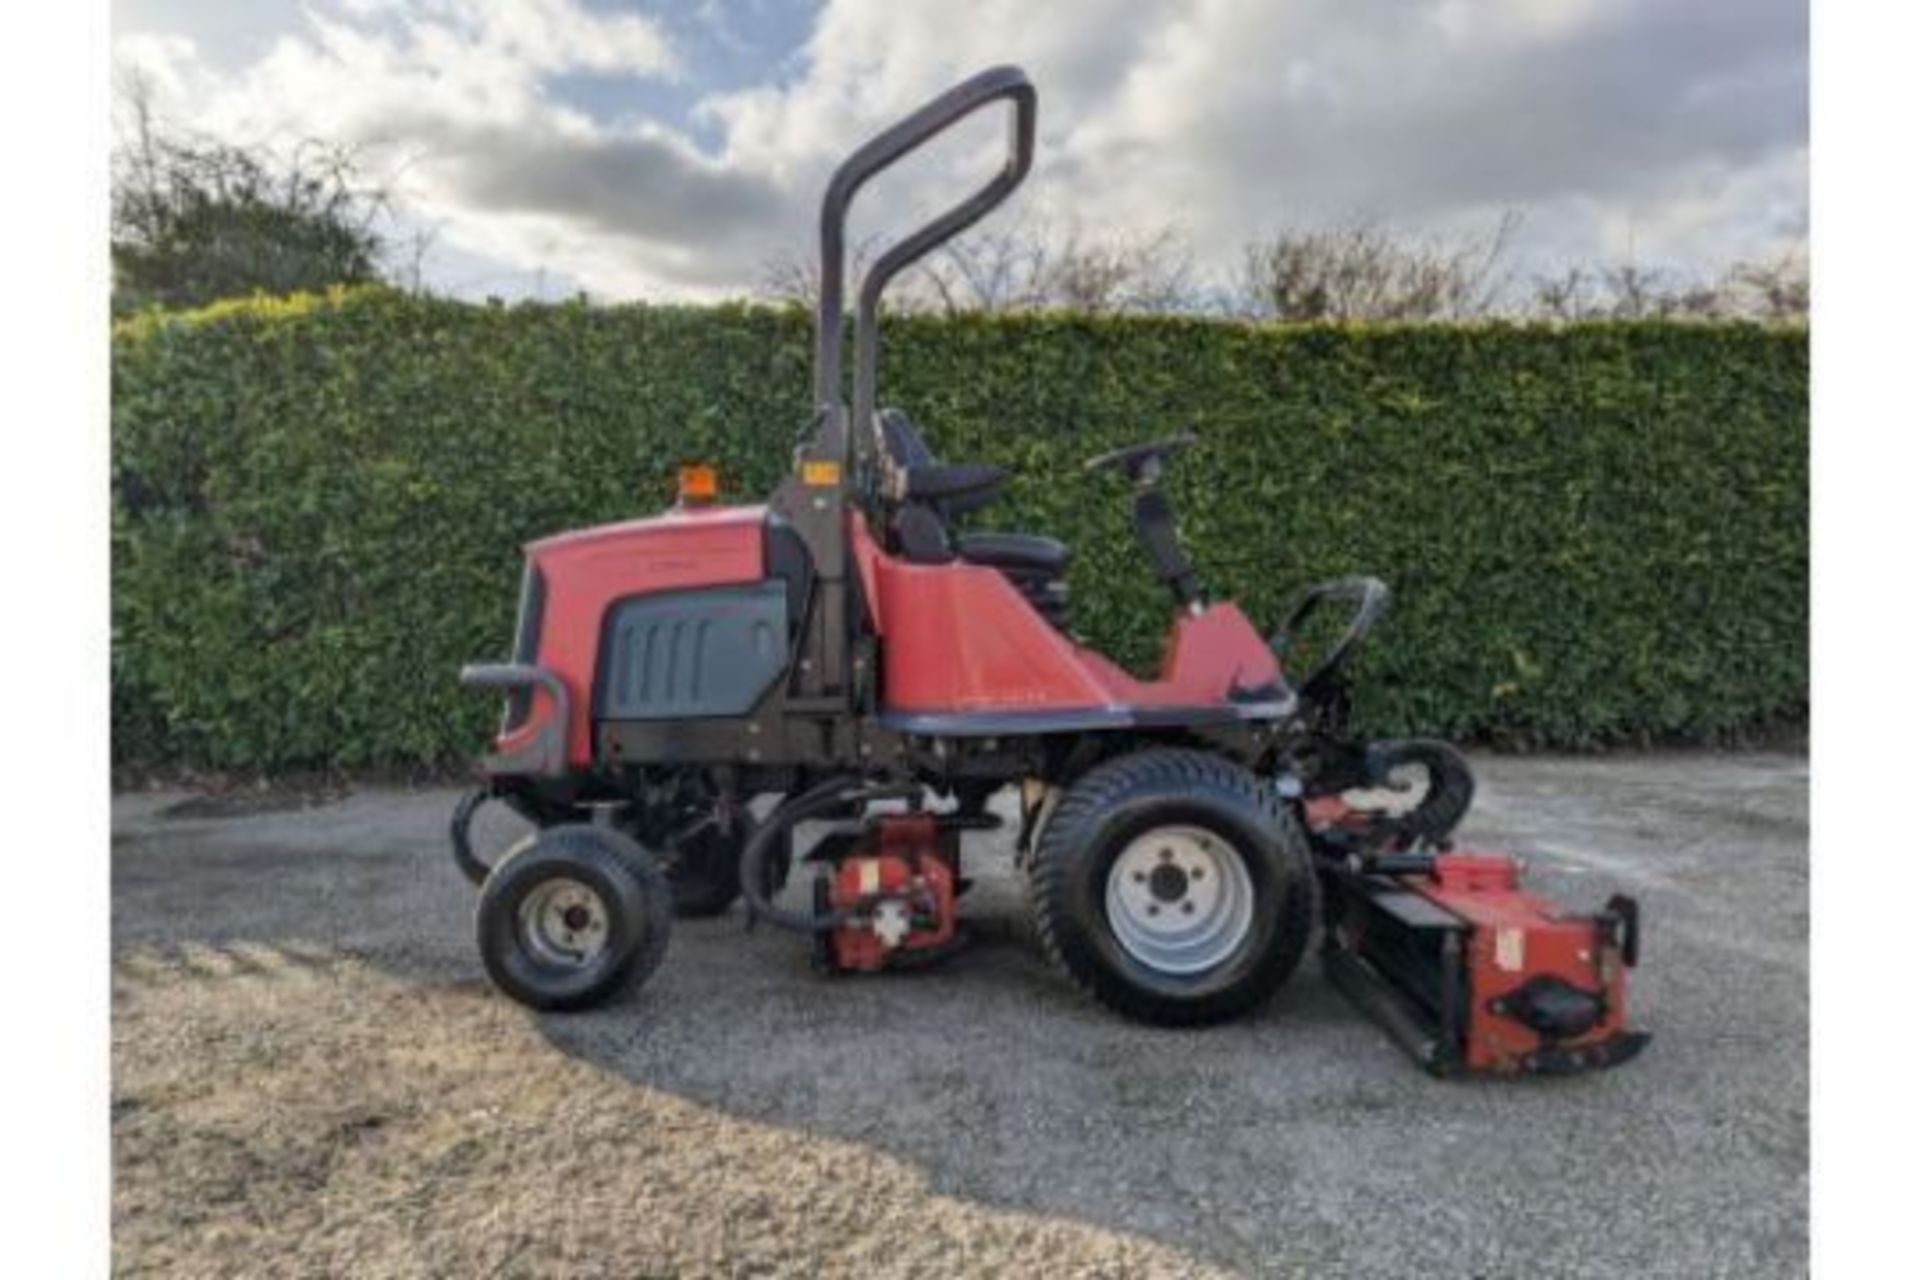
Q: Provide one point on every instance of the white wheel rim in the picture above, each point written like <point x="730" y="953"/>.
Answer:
<point x="563" y="923"/>
<point x="1179" y="899"/>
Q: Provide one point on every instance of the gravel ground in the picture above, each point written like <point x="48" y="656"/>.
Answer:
<point x="311" y="1076"/>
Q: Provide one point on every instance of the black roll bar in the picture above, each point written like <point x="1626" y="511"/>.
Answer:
<point x="880" y="152"/>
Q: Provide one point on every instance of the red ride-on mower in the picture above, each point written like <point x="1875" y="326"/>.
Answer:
<point x="848" y="654"/>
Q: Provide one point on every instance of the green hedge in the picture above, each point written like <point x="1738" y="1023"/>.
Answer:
<point x="1595" y="534"/>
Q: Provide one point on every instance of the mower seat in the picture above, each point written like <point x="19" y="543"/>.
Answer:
<point x="931" y="493"/>
<point x="1030" y="552"/>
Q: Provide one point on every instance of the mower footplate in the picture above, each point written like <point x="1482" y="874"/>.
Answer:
<point x="1472" y="975"/>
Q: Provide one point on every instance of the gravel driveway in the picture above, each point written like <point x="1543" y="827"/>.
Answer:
<point x="312" y="1077"/>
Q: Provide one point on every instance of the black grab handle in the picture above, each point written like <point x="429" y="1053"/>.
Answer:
<point x="1370" y="597"/>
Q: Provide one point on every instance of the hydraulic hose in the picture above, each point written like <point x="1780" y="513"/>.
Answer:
<point x="458" y="831"/>
<point x="829" y="795"/>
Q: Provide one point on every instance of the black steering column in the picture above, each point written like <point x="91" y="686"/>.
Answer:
<point x="1144" y="465"/>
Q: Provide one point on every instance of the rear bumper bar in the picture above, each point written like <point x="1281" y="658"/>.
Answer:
<point x="540" y="748"/>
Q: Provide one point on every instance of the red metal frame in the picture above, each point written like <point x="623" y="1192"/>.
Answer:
<point x="959" y="637"/>
<point x="1518" y="936"/>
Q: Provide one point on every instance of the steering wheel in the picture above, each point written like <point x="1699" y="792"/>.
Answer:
<point x="1141" y="461"/>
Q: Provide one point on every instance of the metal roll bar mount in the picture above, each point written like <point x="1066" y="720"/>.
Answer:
<point x="814" y="497"/>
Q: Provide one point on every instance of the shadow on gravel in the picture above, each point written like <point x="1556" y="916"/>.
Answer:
<point x="1297" y="1138"/>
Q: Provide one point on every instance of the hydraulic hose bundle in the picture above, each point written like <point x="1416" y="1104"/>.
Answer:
<point x="830" y="797"/>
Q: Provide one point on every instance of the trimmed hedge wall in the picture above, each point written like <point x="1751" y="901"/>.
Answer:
<point x="1595" y="534"/>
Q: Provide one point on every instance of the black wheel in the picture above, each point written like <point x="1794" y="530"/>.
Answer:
<point x="571" y="916"/>
<point x="1446" y="787"/>
<point x="1174" y="888"/>
<point x="704" y="872"/>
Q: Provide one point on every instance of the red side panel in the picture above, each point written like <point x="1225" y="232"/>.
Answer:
<point x="587" y="570"/>
<point x="1210" y="654"/>
<point x="960" y="638"/>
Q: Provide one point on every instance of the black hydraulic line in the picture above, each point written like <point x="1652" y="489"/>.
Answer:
<point x="829" y="795"/>
<point x="470" y="866"/>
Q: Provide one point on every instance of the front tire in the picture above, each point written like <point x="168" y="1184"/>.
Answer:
<point x="571" y="916"/>
<point x="1174" y="888"/>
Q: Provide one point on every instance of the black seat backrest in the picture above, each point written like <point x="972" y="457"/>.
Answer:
<point x="923" y="493"/>
<point x="913" y="472"/>
<point x="916" y="527"/>
<point x="904" y="444"/>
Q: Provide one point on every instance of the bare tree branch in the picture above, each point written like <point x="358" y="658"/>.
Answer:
<point x="194" y="219"/>
<point x="1364" y="272"/>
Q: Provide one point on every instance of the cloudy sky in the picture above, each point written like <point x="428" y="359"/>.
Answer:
<point x="671" y="149"/>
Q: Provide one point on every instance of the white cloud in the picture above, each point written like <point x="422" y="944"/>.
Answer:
<point x="449" y="98"/>
<point x="166" y="60"/>
<point x="1231" y="117"/>
<point x="1683" y="122"/>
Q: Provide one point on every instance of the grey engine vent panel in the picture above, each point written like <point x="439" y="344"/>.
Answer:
<point x="679" y="654"/>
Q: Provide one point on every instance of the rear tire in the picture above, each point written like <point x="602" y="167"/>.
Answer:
<point x="1174" y="888"/>
<point x="571" y="916"/>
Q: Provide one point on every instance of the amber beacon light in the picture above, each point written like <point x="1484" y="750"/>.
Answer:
<point x="699" y="483"/>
